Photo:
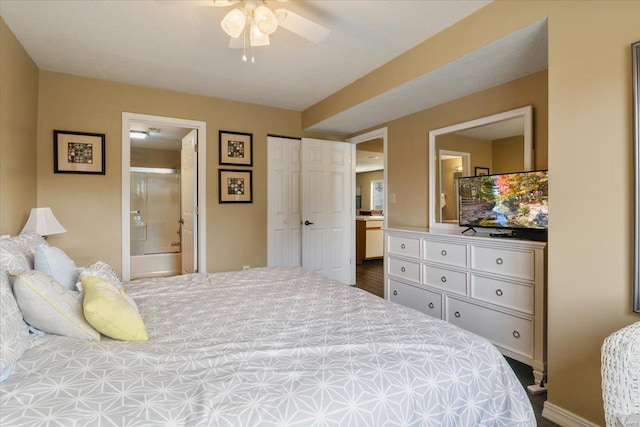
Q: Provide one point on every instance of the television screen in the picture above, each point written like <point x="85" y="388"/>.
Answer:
<point x="511" y="200"/>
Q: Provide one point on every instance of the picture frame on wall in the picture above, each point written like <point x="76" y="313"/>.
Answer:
<point x="236" y="148"/>
<point x="78" y="152"/>
<point x="479" y="171"/>
<point x="235" y="186"/>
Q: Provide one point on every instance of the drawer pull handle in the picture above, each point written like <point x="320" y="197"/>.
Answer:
<point x="516" y="334"/>
<point x="403" y="269"/>
<point x="395" y="292"/>
<point x="443" y="279"/>
<point x="431" y="305"/>
<point x="499" y="261"/>
<point x="443" y="252"/>
<point x="403" y="246"/>
<point x="499" y="292"/>
<point x="457" y="314"/>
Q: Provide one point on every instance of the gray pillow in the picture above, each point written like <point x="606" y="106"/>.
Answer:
<point x="14" y="335"/>
<point x="47" y="305"/>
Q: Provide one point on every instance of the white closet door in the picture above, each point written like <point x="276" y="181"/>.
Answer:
<point x="284" y="239"/>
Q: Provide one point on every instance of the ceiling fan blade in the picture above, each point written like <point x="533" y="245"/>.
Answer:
<point x="301" y="26"/>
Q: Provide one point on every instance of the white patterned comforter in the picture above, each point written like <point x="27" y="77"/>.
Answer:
<point x="267" y="347"/>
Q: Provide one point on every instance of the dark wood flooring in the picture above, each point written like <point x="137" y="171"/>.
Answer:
<point x="370" y="277"/>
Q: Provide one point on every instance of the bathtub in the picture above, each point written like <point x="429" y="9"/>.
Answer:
<point x="156" y="265"/>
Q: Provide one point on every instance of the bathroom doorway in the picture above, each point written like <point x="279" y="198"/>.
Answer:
<point x="163" y="196"/>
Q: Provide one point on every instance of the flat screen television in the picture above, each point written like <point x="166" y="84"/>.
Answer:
<point x="517" y="201"/>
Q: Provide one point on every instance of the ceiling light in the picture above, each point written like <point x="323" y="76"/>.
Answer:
<point x="257" y="38"/>
<point x="234" y="22"/>
<point x="265" y="19"/>
<point x="137" y="134"/>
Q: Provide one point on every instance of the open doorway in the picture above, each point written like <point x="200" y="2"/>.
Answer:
<point x="163" y="196"/>
<point x="370" y="210"/>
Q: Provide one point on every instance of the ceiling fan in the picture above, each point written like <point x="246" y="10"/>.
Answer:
<point x="255" y="18"/>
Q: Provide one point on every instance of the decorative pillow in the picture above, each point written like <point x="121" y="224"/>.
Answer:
<point x="112" y="311"/>
<point x="54" y="262"/>
<point x="14" y="336"/>
<point x="103" y="271"/>
<point x="14" y="255"/>
<point x="50" y="307"/>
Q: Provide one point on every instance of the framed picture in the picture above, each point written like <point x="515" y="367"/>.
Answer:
<point x="236" y="186"/>
<point x="481" y="171"/>
<point x="78" y="152"/>
<point x="236" y="148"/>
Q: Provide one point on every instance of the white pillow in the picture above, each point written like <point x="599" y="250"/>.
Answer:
<point x="54" y="262"/>
<point x="14" y="336"/>
<point x="50" y="307"/>
<point x="103" y="271"/>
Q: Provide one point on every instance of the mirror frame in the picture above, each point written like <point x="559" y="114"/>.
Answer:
<point x="635" y="48"/>
<point x="525" y="112"/>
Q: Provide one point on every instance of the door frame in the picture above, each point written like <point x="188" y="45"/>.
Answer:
<point x="374" y="134"/>
<point x="201" y="127"/>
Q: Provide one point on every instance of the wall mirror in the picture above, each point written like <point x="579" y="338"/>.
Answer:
<point x="499" y="143"/>
<point x="636" y="132"/>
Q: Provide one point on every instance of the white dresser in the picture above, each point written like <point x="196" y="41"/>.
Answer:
<point x="494" y="287"/>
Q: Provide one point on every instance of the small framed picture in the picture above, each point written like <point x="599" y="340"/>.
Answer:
<point x="236" y="186"/>
<point x="78" y="152"/>
<point x="481" y="171"/>
<point x="236" y="148"/>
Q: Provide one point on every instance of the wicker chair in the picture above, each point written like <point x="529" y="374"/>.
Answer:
<point x="621" y="377"/>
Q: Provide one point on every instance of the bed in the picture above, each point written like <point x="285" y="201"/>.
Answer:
<point x="266" y="347"/>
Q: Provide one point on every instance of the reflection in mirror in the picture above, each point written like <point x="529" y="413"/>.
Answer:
<point x="496" y="144"/>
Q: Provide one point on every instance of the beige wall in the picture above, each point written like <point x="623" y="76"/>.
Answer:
<point x="364" y="180"/>
<point x="18" y="127"/>
<point x="408" y="143"/>
<point x="89" y="206"/>
<point x="589" y="133"/>
<point x="507" y="154"/>
<point x="154" y="158"/>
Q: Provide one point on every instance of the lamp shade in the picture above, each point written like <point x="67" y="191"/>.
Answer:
<point x="265" y="20"/>
<point x="42" y="221"/>
<point x="257" y="38"/>
<point x="233" y="23"/>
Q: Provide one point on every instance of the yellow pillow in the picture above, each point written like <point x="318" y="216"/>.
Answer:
<point x="112" y="311"/>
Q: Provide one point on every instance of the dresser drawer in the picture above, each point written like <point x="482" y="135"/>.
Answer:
<point x="446" y="253"/>
<point x="405" y="246"/>
<point x="512" y="295"/>
<point x="453" y="281"/>
<point x="402" y="268"/>
<point x="514" y="263"/>
<point x="420" y="299"/>
<point x="509" y="332"/>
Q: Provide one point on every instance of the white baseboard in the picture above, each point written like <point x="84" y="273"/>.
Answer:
<point x="563" y="417"/>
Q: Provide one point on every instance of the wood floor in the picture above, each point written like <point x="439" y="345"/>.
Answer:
<point x="370" y="278"/>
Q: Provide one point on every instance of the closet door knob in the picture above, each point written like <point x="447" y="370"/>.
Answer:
<point x="516" y="334"/>
<point x="395" y="292"/>
<point x="403" y="269"/>
<point x="499" y="292"/>
<point x="443" y="252"/>
<point x="443" y="279"/>
<point x="457" y="314"/>
<point x="431" y="305"/>
<point x="403" y="246"/>
<point x="499" y="261"/>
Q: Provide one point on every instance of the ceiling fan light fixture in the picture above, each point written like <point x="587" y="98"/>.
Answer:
<point x="257" y="38"/>
<point x="137" y="134"/>
<point x="233" y="23"/>
<point x="265" y="19"/>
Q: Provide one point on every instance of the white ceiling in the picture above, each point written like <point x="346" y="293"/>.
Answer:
<point x="181" y="47"/>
